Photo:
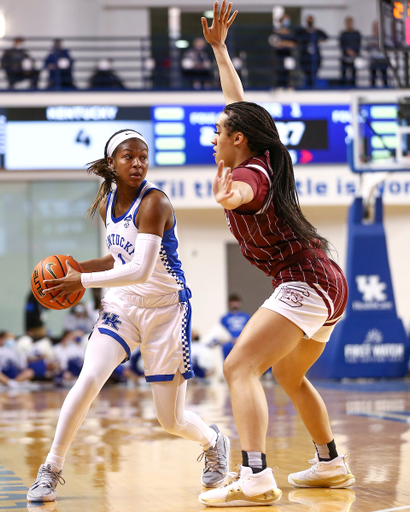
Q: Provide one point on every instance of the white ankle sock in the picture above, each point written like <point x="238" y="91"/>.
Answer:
<point x="56" y="462"/>
<point x="211" y="444"/>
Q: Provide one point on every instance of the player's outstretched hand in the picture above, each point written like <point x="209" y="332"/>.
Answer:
<point x="66" y="286"/>
<point x="222" y="184"/>
<point x="217" y="32"/>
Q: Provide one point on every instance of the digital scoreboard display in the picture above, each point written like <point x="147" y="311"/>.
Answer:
<point x="64" y="137"/>
<point x="378" y="125"/>
<point x="312" y="133"/>
<point x="68" y="137"/>
<point x="394" y="22"/>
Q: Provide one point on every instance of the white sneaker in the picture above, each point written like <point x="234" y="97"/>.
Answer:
<point x="334" y="474"/>
<point x="249" y="490"/>
<point x="44" y="488"/>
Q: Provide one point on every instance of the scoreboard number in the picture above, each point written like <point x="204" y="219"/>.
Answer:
<point x="394" y="25"/>
<point x="83" y="138"/>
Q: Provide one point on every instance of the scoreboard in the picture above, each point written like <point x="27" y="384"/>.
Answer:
<point x="394" y="23"/>
<point x="60" y="137"/>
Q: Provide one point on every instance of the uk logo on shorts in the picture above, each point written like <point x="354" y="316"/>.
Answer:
<point x="293" y="295"/>
<point x="112" y="320"/>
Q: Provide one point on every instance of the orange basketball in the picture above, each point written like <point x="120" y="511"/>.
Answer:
<point x="53" y="267"/>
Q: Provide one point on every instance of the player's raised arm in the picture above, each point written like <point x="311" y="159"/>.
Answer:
<point x="215" y="35"/>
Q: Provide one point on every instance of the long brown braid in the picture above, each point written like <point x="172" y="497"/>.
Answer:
<point x="258" y="127"/>
<point x="101" y="168"/>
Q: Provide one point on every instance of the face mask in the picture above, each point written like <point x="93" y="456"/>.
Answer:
<point x="310" y="24"/>
<point x="9" y="342"/>
<point x="286" y="22"/>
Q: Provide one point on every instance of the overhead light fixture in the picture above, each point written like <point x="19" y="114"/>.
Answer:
<point x="181" y="43"/>
<point x="209" y="14"/>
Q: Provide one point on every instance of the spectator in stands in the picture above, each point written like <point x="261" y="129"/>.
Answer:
<point x="13" y="367"/>
<point x="283" y="41"/>
<point x="60" y="66"/>
<point x="197" y="66"/>
<point x="69" y="354"/>
<point x="133" y="369"/>
<point x="202" y="359"/>
<point x="94" y="306"/>
<point x="377" y="59"/>
<point x="18" y="65"/>
<point x="36" y="347"/>
<point x="230" y="326"/>
<point x="350" y="42"/>
<point x="34" y="314"/>
<point x="78" y="319"/>
<point x="308" y="39"/>
<point x="104" y="77"/>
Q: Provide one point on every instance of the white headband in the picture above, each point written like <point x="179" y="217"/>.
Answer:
<point x="121" y="137"/>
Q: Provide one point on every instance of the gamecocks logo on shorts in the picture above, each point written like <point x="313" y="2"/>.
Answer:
<point x="293" y="296"/>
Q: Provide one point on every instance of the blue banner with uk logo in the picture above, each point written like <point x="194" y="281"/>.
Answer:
<point x="370" y="341"/>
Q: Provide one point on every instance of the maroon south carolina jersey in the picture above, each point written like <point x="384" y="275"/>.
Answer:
<point x="270" y="244"/>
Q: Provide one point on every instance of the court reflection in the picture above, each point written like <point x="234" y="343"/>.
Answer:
<point x="324" y="500"/>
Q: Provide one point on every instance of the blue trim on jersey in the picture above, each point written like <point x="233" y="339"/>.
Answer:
<point x="167" y="378"/>
<point x="119" y="219"/>
<point x="184" y="295"/>
<point x="186" y="338"/>
<point x="117" y="338"/>
<point x="186" y="349"/>
<point x="145" y="193"/>
<point x="169" y="247"/>
<point x="169" y="255"/>
<point x="107" y="208"/>
<point x="159" y="378"/>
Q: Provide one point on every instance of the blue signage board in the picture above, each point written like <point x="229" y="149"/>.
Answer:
<point x="313" y="134"/>
<point x="370" y="341"/>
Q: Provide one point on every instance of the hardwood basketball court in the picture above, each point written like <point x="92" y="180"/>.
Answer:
<point x="121" y="459"/>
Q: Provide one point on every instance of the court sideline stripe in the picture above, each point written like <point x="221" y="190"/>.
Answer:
<point x="406" y="507"/>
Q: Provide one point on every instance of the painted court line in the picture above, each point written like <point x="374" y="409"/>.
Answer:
<point x="406" y="507"/>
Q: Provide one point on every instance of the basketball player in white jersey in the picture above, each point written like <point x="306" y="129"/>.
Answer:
<point x="147" y="304"/>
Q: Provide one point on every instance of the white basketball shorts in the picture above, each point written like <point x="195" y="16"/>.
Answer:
<point x="302" y="305"/>
<point x="163" y="333"/>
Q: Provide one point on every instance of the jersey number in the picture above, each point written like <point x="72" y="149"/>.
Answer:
<point x="122" y="259"/>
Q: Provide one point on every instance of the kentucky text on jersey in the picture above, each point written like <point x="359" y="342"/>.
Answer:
<point x="115" y="239"/>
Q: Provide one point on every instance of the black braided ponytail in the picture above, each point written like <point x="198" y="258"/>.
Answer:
<point x="260" y="130"/>
<point x="101" y="168"/>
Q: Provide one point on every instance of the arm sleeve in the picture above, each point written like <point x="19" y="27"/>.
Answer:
<point x="137" y="271"/>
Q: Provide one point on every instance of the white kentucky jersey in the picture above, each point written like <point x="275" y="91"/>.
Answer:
<point x="168" y="276"/>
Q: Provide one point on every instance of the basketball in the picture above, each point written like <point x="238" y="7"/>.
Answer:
<point x="53" y="267"/>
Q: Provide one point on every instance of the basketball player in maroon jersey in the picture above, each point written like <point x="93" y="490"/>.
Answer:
<point x="291" y="328"/>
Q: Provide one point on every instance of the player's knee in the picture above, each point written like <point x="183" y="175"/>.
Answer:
<point x="232" y="369"/>
<point x="239" y="369"/>
<point x="90" y="386"/>
<point x="288" y="381"/>
<point x="169" y="424"/>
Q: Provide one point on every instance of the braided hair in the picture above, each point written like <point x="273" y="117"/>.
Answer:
<point x="101" y="168"/>
<point x="258" y="127"/>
